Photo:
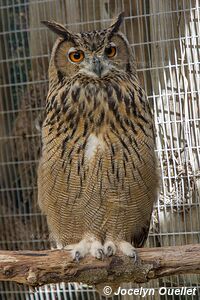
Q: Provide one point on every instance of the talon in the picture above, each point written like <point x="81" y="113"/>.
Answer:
<point x="110" y="248"/>
<point x="96" y="250"/>
<point x="101" y="254"/>
<point x="109" y="251"/>
<point x="77" y="256"/>
<point x="134" y="256"/>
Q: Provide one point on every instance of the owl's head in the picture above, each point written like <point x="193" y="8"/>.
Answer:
<point x="94" y="54"/>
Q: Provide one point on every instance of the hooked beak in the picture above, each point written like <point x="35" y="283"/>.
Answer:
<point x="97" y="67"/>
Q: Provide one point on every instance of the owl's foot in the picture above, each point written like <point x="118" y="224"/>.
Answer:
<point x="86" y="246"/>
<point x="109" y="248"/>
<point x="79" y="250"/>
<point x="97" y="250"/>
<point x="126" y="248"/>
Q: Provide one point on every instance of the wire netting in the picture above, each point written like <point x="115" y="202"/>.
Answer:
<point x="165" y="38"/>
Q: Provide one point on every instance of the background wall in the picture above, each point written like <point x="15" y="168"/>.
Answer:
<point x="165" y="37"/>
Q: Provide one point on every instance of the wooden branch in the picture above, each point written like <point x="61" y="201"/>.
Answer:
<point x="37" y="268"/>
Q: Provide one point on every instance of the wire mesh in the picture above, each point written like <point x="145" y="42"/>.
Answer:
<point x="165" y="39"/>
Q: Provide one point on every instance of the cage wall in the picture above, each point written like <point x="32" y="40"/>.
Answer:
<point x="165" y="39"/>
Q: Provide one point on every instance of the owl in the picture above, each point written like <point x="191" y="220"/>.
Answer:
<point x="97" y="176"/>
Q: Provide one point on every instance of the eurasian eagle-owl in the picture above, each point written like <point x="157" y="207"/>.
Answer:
<point x="97" y="177"/>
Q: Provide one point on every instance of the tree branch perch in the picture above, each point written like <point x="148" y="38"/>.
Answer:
<point x="36" y="268"/>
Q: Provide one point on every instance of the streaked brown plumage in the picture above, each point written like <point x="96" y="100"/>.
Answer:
<point x="97" y="177"/>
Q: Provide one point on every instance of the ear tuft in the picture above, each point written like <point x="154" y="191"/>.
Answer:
<point x="116" y="24"/>
<point x="58" y="29"/>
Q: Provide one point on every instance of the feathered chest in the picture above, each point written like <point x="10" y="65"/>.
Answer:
<point x="97" y="135"/>
<point x="90" y="106"/>
<point x="105" y="117"/>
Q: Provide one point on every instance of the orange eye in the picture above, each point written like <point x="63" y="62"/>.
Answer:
<point x="110" y="51"/>
<point x="76" y="56"/>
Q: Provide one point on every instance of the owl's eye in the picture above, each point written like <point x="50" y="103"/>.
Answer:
<point x="76" y="56"/>
<point x="110" y="51"/>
